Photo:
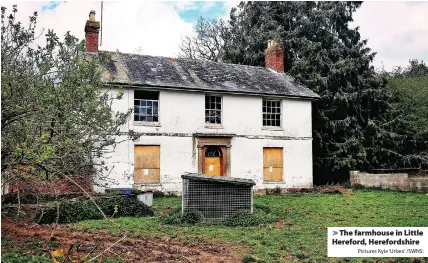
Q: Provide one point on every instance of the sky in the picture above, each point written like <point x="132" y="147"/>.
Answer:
<point x="397" y="31"/>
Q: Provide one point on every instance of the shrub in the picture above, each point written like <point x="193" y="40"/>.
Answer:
<point x="191" y="217"/>
<point x="176" y="218"/>
<point x="243" y="218"/>
<point x="248" y="259"/>
<point x="26" y="197"/>
<point x="117" y="206"/>
<point x="126" y="206"/>
<point x="262" y="215"/>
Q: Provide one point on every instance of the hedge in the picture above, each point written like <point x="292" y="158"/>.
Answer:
<point x="113" y="206"/>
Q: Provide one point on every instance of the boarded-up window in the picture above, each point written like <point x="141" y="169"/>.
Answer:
<point x="272" y="164"/>
<point x="146" y="164"/>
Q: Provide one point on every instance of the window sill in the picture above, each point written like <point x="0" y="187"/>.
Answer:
<point x="273" y="182"/>
<point x="214" y="126"/>
<point x="146" y="123"/>
<point x="272" y="128"/>
<point x="147" y="185"/>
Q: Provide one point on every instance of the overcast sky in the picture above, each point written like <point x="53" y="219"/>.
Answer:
<point x="397" y="31"/>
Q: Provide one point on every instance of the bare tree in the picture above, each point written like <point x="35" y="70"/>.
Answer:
<point x="208" y="43"/>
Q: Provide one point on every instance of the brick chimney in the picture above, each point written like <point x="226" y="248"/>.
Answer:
<point x="274" y="56"/>
<point x="92" y="28"/>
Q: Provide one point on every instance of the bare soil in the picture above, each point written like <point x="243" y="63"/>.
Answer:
<point x="22" y="237"/>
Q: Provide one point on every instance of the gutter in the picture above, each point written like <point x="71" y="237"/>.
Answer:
<point x="184" y="88"/>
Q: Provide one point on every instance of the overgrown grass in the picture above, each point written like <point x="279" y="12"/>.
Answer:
<point x="300" y="235"/>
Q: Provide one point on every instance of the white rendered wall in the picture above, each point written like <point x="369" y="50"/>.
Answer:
<point x="182" y="114"/>
<point x="247" y="161"/>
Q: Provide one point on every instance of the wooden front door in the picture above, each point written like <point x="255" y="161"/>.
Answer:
<point x="213" y="161"/>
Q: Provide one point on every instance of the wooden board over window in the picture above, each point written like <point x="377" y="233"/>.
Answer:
<point x="146" y="164"/>
<point x="272" y="164"/>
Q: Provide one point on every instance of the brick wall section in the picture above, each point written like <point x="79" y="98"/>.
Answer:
<point x="58" y="186"/>
<point x="397" y="181"/>
<point x="92" y="28"/>
<point x="91" y="42"/>
<point x="274" y="58"/>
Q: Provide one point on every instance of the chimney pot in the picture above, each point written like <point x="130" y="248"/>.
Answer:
<point x="92" y="29"/>
<point x="92" y="15"/>
<point x="274" y="56"/>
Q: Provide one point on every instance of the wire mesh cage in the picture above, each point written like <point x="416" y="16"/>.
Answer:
<point x="216" y="197"/>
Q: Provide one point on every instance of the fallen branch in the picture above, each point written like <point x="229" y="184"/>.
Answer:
<point x="92" y="259"/>
<point x="53" y="230"/>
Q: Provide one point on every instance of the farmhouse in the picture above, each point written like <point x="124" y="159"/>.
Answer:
<point x="207" y="117"/>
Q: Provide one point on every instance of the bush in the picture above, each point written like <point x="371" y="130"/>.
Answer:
<point x="248" y="259"/>
<point x="176" y="218"/>
<point x="243" y="218"/>
<point x="126" y="206"/>
<point x="262" y="215"/>
<point x="24" y="197"/>
<point x="27" y="197"/>
<point x="240" y="219"/>
<point x="191" y="217"/>
<point x="116" y="206"/>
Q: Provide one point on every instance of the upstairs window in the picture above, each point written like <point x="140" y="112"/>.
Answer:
<point x="271" y="112"/>
<point x="212" y="109"/>
<point x="146" y="106"/>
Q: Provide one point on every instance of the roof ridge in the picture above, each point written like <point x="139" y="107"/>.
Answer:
<point x="188" y="59"/>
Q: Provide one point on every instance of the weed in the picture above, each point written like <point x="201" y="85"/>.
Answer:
<point x="248" y="259"/>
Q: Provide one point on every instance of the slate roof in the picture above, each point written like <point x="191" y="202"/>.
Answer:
<point x="218" y="179"/>
<point x="198" y="75"/>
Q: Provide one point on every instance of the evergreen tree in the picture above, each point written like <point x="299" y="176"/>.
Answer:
<point x="409" y="86"/>
<point x="353" y="124"/>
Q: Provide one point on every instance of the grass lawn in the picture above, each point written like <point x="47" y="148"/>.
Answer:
<point x="300" y="235"/>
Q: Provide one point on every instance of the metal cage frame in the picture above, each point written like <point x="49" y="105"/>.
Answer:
<point x="216" y="197"/>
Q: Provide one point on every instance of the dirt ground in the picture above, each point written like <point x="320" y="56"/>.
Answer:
<point x="130" y="249"/>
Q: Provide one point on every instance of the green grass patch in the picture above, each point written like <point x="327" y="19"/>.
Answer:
<point x="299" y="235"/>
<point x="16" y="257"/>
